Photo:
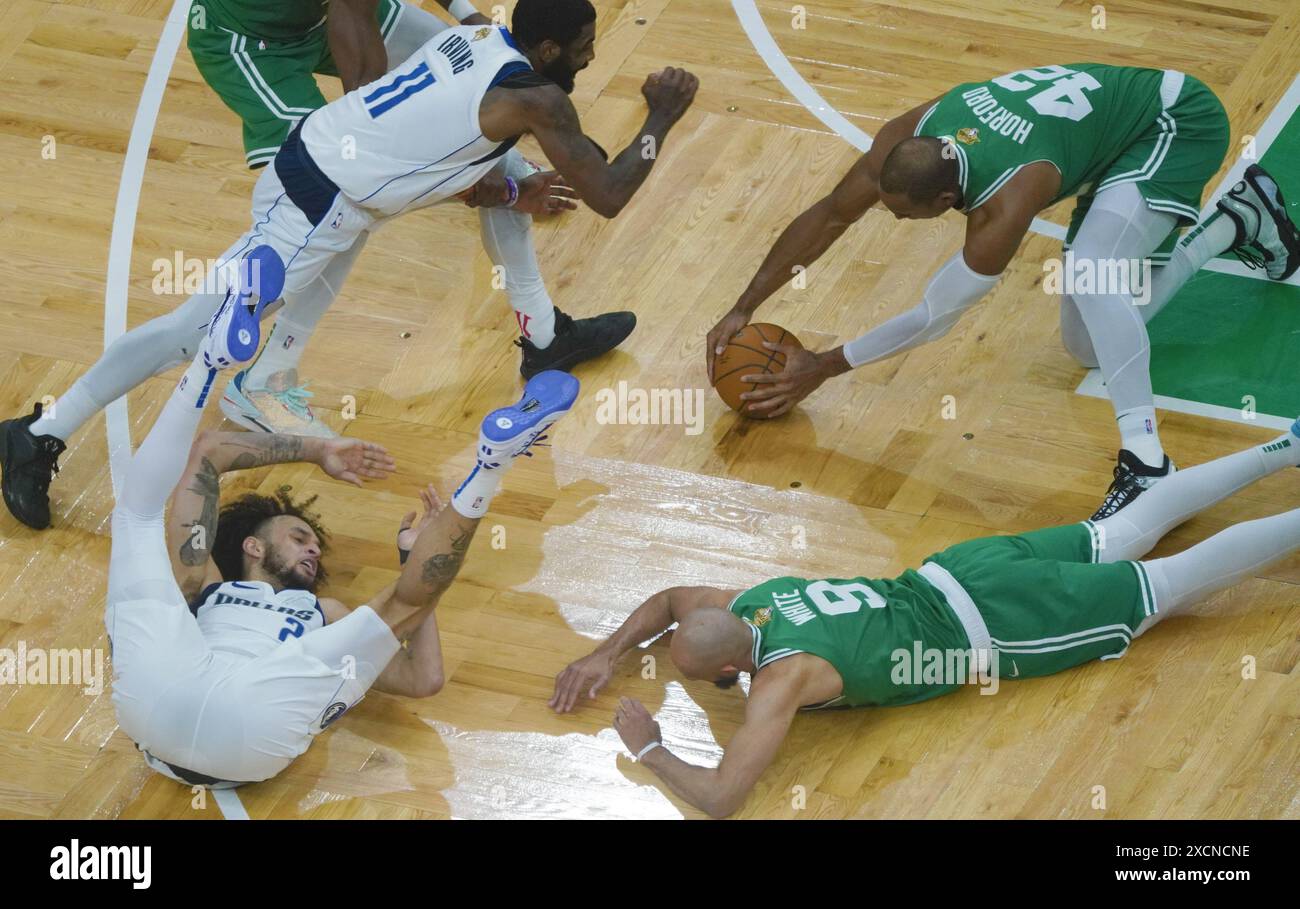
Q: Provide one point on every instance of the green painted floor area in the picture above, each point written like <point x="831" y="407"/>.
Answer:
<point x="1225" y="337"/>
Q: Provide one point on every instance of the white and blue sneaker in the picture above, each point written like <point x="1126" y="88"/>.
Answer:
<point x="1266" y="235"/>
<point x="511" y="431"/>
<point x="235" y="332"/>
<point x="281" y="405"/>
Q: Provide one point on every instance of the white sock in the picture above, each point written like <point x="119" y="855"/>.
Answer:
<point x="474" y="495"/>
<point x="1137" y="432"/>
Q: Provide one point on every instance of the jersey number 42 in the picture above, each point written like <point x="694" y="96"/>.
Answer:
<point x="1063" y="98"/>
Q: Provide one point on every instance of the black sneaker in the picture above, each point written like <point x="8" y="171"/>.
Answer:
<point x="576" y="340"/>
<point x="29" y="463"/>
<point x="1132" y="478"/>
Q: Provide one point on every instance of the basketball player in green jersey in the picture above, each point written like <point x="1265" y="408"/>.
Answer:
<point x="1137" y="147"/>
<point x="996" y="608"/>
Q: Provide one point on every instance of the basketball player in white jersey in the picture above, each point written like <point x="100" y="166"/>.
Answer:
<point x="261" y="59"/>
<point x="375" y="154"/>
<point x="226" y="663"/>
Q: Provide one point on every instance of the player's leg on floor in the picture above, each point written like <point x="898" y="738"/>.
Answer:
<point x="549" y="338"/>
<point x="1225" y="559"/>
<point x="1130" y="533"/>
<point x="139" y="566"/>
<point x="268" y="396"/>
<point x="153" y="638"/>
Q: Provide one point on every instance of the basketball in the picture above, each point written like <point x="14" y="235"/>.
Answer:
<point x="744" y="356"/>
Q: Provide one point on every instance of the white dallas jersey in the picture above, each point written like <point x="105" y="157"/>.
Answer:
<point x="249" y="618"/>
<point x="412" y="137"/>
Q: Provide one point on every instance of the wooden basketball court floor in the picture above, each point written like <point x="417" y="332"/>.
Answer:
<point x="867" y="477"/>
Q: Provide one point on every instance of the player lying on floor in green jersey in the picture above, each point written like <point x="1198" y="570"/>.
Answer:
<point x="1136" y="146"/>
<point x="1014" y="606"/>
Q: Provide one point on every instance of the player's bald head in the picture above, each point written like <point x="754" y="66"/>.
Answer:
<point x="707" y="641"/>
<point x="920" y="178"/>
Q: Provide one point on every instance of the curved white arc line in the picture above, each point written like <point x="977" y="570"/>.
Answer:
<point x="121" y="241"/>
<point x="805" y="94"/>
<point x="124" y="213"/>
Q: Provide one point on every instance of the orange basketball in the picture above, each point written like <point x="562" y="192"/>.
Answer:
<point x="745" y="355"/>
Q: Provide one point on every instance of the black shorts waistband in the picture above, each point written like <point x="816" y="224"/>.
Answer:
<point x="304" y="182"/>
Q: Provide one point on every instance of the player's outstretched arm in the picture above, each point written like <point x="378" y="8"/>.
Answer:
<point x="590" y="674"/>
<point x="549" y="115"/>
<point x="192" y="518"/>
<point x="355" y="42"/>
<point x="814" y="231"/>
<point x="774" y="698"/>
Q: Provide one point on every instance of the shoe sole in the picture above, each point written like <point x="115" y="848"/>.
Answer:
<point x="520" y="421"/>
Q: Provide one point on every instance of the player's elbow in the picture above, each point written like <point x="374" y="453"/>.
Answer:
<point x="723" y="806"/>
<point x="605" y="206"/>
<point x="429" y="684"/>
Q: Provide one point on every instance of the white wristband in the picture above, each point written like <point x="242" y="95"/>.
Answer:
<point x="462" y="9"/>
<point x="647" y="749"/>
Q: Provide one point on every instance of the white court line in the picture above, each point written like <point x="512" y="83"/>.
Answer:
<point x="231" y="807"/>
<point x="752" y="22"/>
<point x="1094" y="387"/>
<point x="116" y="419"/>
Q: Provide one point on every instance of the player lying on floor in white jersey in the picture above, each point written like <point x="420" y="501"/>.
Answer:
<point x="1010" y="607"/>
<point x="374" y="154"/>
<point x="226" y="664"/>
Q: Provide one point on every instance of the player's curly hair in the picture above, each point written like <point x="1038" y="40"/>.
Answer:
<point x="245" y="516"/>
<point x="561" y="21"/>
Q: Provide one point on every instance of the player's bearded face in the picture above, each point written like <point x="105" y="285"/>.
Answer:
<point x="573" y="58"/>
<point x="293" y="565"/>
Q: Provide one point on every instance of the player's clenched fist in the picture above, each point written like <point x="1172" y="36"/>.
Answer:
<point x="670" y="91"/>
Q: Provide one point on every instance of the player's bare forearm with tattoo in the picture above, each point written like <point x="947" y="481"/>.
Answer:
<point x="195" y="503"/>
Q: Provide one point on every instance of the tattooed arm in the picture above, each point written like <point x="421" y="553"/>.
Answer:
<point x="408" y="604"/>
<point x="192" y="521"/>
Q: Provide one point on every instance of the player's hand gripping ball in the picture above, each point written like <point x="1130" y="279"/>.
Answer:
<point x="746" y="356"/>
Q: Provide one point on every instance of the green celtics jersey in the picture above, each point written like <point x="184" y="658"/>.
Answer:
<point x="275" y="19"/>
<point x="1080" y="117"/>
<point x="865" y="628"/>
